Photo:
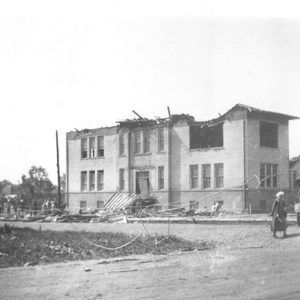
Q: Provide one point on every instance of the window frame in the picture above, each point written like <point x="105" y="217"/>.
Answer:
<point x="122" y="179"/>
<point x="265" y="138"/>
<point x="161" y="177"/>
<point x="83" y="185"/>
<point x="136" y="141"/>
<point x="100" y="184"/>
<point x="161" y="139"/>
<point x="121" y="144"/>
<point x="194" y="178"/>
<point x="217" y="176"/>
<point x="92" y="180"/>
<point x="267" y="181"/>
<point x="146" y="141"/>
<point x="100" y="146"/>
<point x="204" y="177"/>
<point x="84" y="149"/>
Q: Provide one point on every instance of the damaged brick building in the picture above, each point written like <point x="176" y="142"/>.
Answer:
<point x="240" y="158"/>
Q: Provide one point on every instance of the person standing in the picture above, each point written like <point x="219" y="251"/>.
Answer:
<point x="279" y="215"/>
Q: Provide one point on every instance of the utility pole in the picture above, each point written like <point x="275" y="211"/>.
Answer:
<point x="58" y="171"/>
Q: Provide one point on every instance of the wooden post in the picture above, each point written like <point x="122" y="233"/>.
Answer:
<point x="58" y="171"/>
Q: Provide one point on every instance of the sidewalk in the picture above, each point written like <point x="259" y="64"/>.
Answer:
<point x="223" y="219"/>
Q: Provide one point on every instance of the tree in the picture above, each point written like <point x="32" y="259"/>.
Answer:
<point x="36" y="187"/>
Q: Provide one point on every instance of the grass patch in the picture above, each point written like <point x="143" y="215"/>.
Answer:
<point x="19" y="246"/>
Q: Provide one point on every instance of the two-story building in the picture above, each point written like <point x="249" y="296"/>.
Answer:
<point x="240" y="158"/>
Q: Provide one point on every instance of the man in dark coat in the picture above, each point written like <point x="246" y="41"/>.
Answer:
<point x="279" y="215"/>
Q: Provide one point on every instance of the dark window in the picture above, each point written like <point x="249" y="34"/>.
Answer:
<point x="100" y="152"/>
<point x="268" y="134"/>
<point x="161" y="178"/>
<point x="121" y="179"/>
<point x="92" y="181"/>
<point x="121" y="144"/>
<point x="206" y="176"/>
<point x="146" y="145"/>
<point x="82" y="204"/>
<point x="100" y="180"/>
<point x="84" y="152"/>
<point x="92" y="147"/>
<point x="219" y="175"/>
<point x="161" y="139"/>
<point x="84" y="180"/>
<point x="194" y="176"/>
<point x="202" y="137"/>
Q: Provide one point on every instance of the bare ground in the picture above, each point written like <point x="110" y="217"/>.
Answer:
<point x="247" y="264"/>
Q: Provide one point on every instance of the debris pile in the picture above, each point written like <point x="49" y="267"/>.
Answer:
<point x="28" y="247"/>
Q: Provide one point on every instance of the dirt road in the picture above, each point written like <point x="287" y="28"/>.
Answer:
<point x="247" y="264"/>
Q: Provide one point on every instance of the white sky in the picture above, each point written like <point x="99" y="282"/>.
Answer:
<point x="71" y="64"/>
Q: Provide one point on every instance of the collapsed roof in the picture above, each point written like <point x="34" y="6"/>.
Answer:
<point x="176" y="118"/>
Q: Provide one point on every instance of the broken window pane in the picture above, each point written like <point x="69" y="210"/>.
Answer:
<point x="206" y="176"/>
<point x="146" y="141"/>
<point x="194" y="176"/>
<point x="100" y="146"/>
<point x="92" y="181"/>
<point x="100" y="180"/>
<point x="268" y="134"/>
<point x="92" y="147"/>
<point x="84" y="148"/>
<point x="219" y="176"/>
<point x="203" y="136"/>
<point x="84" y="180"/>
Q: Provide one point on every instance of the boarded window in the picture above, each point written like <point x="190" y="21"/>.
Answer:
<point x="136" y="142"/>
<point x="100" y="180"/>
<point x="161" y="139"/>
<point x="84" y="180"/>
<point x="84" y="152"/>
<point x="204" y="136"/>
<point x="100" y="151"/>
<point x="194" y="176"/>
<point x="100" y="204"/>
<point x="206" y="176"/>
<point x="83" y="204"/>
<point x="92" y="181"/>
<point x="92" y="147"/>
<point x="268" y="134"/>
<point x="121" y="144"/>
<point x="121" y="179"/>
<point x="146" y="146"/>
<point x="161" y="178"/>
<point x="269" y="175"/>
<point x="219" y="176"/>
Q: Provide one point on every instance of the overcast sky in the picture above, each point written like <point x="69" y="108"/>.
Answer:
<point x="71" y="64"/>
